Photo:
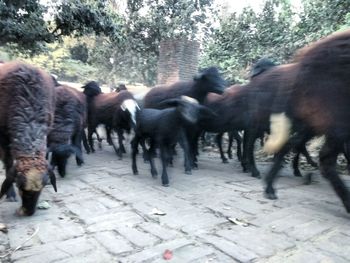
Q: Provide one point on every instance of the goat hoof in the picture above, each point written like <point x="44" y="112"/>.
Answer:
<point x="165" y="185"/>
<point x="224" y="161"/>
<point x="135" y="172"/>
<point x="246" y="169"/>
<point x="308" y="179"/>
<point x="188" y="172"/>
<point x="11" y="199"/>
<point x="256" y="175"/>
<point x="154" y="176"/>
<point x="271" y="196"/>
<point x="297" y="174"/>
<point x="347" y="206"/>
<point x="313" y="164"/>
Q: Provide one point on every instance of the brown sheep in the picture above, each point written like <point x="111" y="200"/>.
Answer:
<point x="318" y="101"/>
<point x="117" y="111"/>
<point x="68" y="128"/>
<point x="27" y="103"/>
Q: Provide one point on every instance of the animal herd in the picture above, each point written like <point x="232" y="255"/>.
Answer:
<point x="42" y="123"/>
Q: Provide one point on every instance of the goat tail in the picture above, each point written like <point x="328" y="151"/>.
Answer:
<point x="280" y="127"/>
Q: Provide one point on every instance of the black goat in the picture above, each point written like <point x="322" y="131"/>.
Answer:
<point x="207" y="80"/>
<point x="229" y="117"/>
<point x="165" y="128"/>
<point x="27" y="102"/>
<point x="92" y="89"/>
<point x="116" y="111"/>
<point x="66" y="135"/>
<point x="318" y="102"/>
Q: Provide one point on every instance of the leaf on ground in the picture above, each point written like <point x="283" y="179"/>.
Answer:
<point x="239" y="222"/>
<point x="44" y="205"/>
<point x="3" y="228"/>
<point x="156" y="211"/>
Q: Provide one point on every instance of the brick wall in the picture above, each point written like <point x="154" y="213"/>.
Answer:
<point x="178" y="60"/>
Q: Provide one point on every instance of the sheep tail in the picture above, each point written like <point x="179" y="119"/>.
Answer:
<point x="280" y="126"/>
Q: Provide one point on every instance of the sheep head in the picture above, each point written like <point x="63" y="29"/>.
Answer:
<point x="30" y="174"/>
<point x="210" y="80"/>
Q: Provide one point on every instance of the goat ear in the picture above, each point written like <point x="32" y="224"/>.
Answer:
<point x="170" y="103"/>
<point x="207" y="112"/>
<point x="52" y="178"/>
<point x="198" y="76"/>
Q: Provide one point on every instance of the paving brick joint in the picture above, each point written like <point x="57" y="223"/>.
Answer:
<point x="104" y="213"/>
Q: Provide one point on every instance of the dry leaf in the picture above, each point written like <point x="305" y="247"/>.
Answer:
<point x="3" y="228"/>
<point x="239" y="222"/>
<point x="156" y="211"/>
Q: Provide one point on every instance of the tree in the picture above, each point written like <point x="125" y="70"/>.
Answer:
<point x="29" y="25"/>
<point x="275" y="32"/>
<point x="146" y="23"/>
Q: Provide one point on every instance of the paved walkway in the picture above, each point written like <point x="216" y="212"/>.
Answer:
<point x="103" y="213"/>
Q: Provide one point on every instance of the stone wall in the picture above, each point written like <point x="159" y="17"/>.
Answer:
<point x="178" y="60"/>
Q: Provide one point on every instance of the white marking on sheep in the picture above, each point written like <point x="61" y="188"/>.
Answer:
<point x="132" y="107"/>
<point x="280" y="126"/>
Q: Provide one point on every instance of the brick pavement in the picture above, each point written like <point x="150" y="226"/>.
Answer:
<point x="103" y="213"/>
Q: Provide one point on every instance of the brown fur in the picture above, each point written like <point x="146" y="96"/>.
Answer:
<point x="320" y="101"/>
<point x="27" y="103"/>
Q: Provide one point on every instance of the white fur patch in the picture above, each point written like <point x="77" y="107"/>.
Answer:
<point x="280" y="127"/>
<point x="132" y="107"/>
<point x="34" y="181"/>
<point x="189" y="99"/>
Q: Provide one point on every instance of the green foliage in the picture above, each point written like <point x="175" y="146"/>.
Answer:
<point x="80" y="52"/>
<point x="146" y="23"/>
<point x="29" y="25"/>
<point x="275" y="32"/>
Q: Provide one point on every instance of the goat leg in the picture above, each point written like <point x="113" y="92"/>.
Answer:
<point x="134" y="145"/>
<point x="85" y="142"/>
<point x="276" y="166"/>
<point x="90" y="140"/>
<point x="238" y="139"/>
<point x="218" y="139"/>
<point x="328" y="159"/>
<point x="184" y="144"/>
<point x="164" y="157"/>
